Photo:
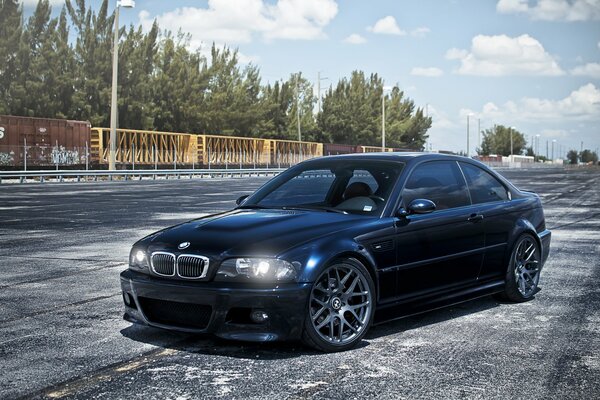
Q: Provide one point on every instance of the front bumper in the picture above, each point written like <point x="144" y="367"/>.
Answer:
<point x="285" y="305"/>
<point x="545" y="237"/>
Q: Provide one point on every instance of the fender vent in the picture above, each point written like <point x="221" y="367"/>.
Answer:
<point x="386" y="245"/>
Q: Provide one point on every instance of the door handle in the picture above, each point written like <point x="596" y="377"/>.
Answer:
<point x="475" y="218"/>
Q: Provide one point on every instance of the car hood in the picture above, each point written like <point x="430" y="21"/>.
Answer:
<point x="251" y="232"/>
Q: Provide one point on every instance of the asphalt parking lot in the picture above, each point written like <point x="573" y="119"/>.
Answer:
<point x="62" y="247"/>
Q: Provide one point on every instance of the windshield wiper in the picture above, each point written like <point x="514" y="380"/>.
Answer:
<point x="316" y="208"/>
<point x="254" y="207"/>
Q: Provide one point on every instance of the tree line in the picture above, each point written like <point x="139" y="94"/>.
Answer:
<point x="46" y="71"/>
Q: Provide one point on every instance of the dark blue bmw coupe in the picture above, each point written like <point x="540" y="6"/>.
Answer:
<point x="335" y="244"/>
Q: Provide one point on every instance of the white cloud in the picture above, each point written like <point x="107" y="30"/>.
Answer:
<point x="582" y="104"/>
<point x="427" y="71"/>
<point x="355" y="38"/>
<point x="552" y="10"/>
<point x="387" y="25"/>
<point x="555" y="133"/>
<point x="237" y="21"/>
<point x="589" y="69"/>
<point x="420" y="32"/>
<point x="502" y="55"/>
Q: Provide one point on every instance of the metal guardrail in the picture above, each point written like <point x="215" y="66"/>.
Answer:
<point x="95" y="175"/>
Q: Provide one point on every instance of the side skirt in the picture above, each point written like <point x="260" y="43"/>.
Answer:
<point x="402" y="309"/>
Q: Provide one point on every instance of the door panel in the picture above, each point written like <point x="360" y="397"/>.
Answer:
<point x="437" y="251"/>
<point x="442" y="249"/>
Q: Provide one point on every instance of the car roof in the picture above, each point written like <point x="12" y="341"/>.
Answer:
<point x="392" y="156"/>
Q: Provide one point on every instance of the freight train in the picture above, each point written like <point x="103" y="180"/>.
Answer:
<point x="39" y="143"/>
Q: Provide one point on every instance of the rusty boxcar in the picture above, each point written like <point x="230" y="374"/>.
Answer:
<point x="44" y="141"/>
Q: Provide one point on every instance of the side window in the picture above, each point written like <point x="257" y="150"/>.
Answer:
<point x="438" y="181"/>
<point x="484" y="187"/>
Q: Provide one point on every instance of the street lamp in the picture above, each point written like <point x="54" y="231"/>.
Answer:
<point x="383" y="90"/>
<point x="468" y="133"/>
<point x="511" y="129"/>
<point x="115" y="69"/>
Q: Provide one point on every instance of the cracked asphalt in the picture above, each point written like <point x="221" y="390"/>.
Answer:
<point x="62" y="247"/>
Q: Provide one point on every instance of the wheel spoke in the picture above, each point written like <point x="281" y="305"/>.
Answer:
<point x="352" y="285"/>
<point x="324" y="322"/>
<point x="345" y="278"/>
<point x="356" y="316"/>
<point x="318" y="313"/>
<point x="355" y="306"/>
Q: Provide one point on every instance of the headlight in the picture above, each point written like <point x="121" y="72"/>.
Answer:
<point x="138" y="259"/>
<point x="258" y="269"/>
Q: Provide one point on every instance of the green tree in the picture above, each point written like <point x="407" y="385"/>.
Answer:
<point x="573" y="156"/>
<point x="93" y="58"/>
<point x="137" y="56"/>
<point x="11" y="31"/>
<point x="588" y="156"/>
<point x="352" y="114"/>
<point x="497" y="140"/>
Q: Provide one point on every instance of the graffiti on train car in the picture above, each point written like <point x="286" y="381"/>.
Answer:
<point x="60" y="155"/>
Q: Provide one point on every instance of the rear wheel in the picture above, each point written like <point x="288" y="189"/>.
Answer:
<point x="523" y="273"/>
<point x="341" y="307"/>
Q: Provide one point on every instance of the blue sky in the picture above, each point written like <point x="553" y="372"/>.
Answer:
<point x="534" y="65"/>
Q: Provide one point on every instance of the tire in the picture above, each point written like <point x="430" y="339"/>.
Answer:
<point x="341" y="307"/>
<point x="523" y="272"/>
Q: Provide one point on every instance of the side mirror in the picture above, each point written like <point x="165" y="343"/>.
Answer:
<point x="421" y="206"/>
<point x="241" y="199"/>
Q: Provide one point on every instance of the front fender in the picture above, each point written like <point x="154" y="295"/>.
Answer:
<point x="315" y="256"/>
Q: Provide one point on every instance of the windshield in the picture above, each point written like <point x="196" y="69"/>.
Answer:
<point x="345" y="186"/>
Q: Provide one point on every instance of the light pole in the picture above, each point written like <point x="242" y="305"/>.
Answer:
<point x="512" y="128"/>
<point x="479" y="133"/>
<point x="115" y="69"/>
<point x="383" y="90"/>
<point x="468" y="133"/>
<point x="553" y="141"/>
<point x="537" y="146"/>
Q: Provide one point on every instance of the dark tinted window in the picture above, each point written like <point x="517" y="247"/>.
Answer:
<point x="483" y="186"/>
<point x="354" y="186"/>
<point x="309" y="187"/>
<point x="438" y="181"/>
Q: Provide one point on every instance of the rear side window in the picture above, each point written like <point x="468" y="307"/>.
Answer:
<point x="438" y="181"/>
<point x="483" y="186"/>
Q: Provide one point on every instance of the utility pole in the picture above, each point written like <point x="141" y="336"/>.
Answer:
<point x="468" y="134"/>
<point x="115" y="70"/>
<point x="382" y="119"/>
<point x="319" y="79"/>
<point x="547" y="154"/>
<point x="298" y="114"/>
<point x="298" y="106"/>
<point x="478" y="132"/>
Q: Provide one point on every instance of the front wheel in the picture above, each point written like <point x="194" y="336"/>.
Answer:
<point x="523" y="273"/>
<point x="341" y="307"/>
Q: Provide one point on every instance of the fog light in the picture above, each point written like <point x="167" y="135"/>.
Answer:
<point x="259" y="316"/>
<point x="127" y="299"/>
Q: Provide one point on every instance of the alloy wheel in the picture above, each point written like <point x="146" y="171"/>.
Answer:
<point x="527" y="267"/>
<point x="340" y="304"/>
